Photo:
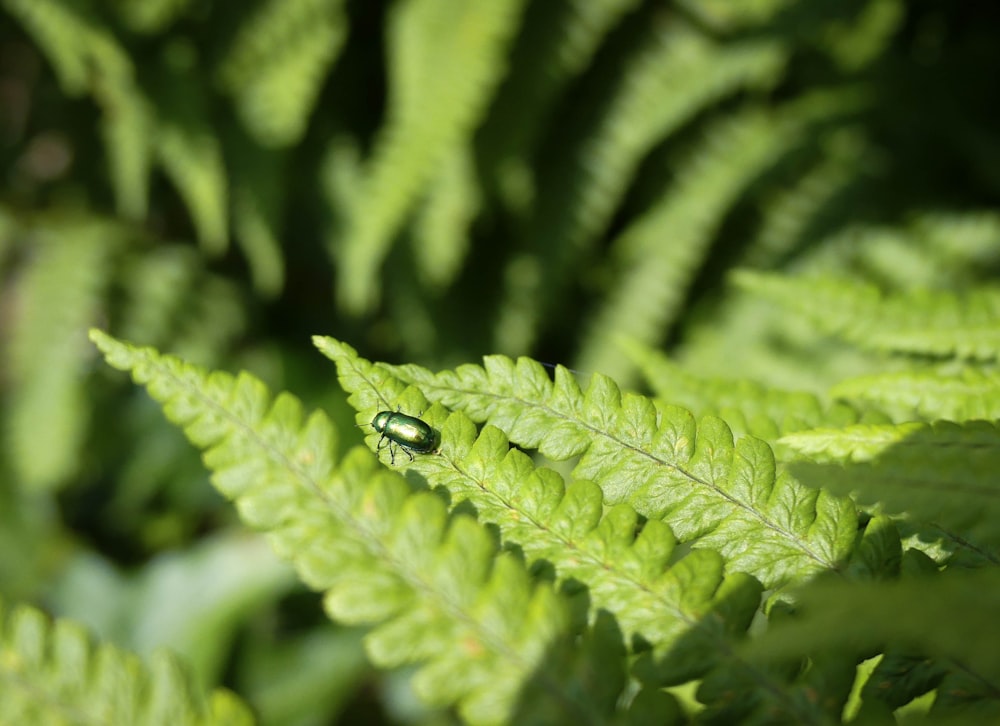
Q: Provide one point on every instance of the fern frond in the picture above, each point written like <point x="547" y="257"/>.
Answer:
<point x="52" y="673"/>
<point x="746" y="406"/>
<point x="915" y="614"/>
<point x="86" y="56"/>
<point x="71" y="38"/>
<point x="661" y="602"/>
<point x="928" y="322"/>
<point x="653" y="457"/>
<point x="435" y="587"/>
<point x="731" y="17"/>
<point x="676" y="73"/>
<point x="662" y="250"/>
<point x="171" y="299"/>
<point x="942" y="473"/>
<point x="189" y="149"/>
<point x="441" y="228"/>
<point x="57" y="297"/>
<point x="259" y="185"/>
<point x="150" y="16"/>
<point x="128" y="127"/>
<point x="790" y="216"/>
<point x="447" y="58"/>
<point x="957" y="395"/>
<point x="556" y="42"/>
<point x="277" y="64"/>
<point x="565" y="526"/>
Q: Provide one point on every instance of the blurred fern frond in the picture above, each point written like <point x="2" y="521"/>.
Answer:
<point x="53" y="669"/>
<point x="938" y="323"/>
<point x="60" y="291"/>
<point x="446" y="59"/>
<point x="277" y="63"/>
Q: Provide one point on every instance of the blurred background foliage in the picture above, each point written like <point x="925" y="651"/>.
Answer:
<point x="432" y="180"/>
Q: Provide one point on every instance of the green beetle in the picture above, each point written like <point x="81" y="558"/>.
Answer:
<point x="407" y="432"/>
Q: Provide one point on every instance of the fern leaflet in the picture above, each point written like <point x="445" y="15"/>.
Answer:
<point x="441" y="229"/>
<point x="191" y="156"/>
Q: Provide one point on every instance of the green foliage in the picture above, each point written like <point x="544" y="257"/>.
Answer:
<point x="574" y="181"/>
<point x="59" y="295"/>
<point x="927" y="322"/>
<point x="51" y="672"/>
<point x="656" y="274"/>
<point x="389" y="555"/>
<point x="711" y="490"/>
<point x="384" y="555"/>
<point x="446" y="56"/>
<point x="623" y="566"/>
<point x="941" y="474"/>
<point x="276" y="63"/>
<point x="958" y="394"/>
<point x="837" y="616"/>
<point x="747" y="406"/>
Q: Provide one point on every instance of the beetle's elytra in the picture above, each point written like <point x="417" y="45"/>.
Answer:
<point x="407" y="432"/>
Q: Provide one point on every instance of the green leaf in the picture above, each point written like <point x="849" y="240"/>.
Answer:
<point x="277" y="63"/>
<point x="433" y="586"/>
<point x="446" y="59"/>
<point x="258" y="199"/>
<point x="56" y="297"/>
<point x="566" y="526"/>
<point x="712" y="491"/>
<point x="441" y="229"/>
<point x="968" y="393"/>
<point x="191" y="601"/>
<point x="679" y="614"/>
<point x="52" y="673"/>
<point x="918" y="614"/>
<point x="671" y="73"/>
<point x="942" y="473"/>
<point x="879" y="551"/>
<point x="747" y="406"/>
<point x="928" y="322"/>
<point x="663" y="249"/>
<point x="190" y="151"/>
